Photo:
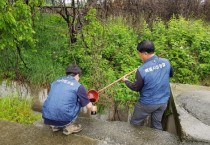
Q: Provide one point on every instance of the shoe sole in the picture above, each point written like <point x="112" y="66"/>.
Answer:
<point x="55" y="130"/>
<point x="67" y="133"/>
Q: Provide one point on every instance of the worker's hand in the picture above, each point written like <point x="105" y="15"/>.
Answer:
<point x="94" y="110"/>
<point x="125" y="78"/>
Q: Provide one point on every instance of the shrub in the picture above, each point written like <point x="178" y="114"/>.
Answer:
<point x="106" y="52"/>
<point x="16" y="109"/>
<point x="186" y="43"/>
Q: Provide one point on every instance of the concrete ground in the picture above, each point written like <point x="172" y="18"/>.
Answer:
<point x="192" y="105"/>
<point x="94" y="132"/>
<point x="192" y="108"/>
<point x="17" y="134"/>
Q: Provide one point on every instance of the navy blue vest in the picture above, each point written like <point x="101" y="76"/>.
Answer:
<point x="62" y="101"/>
<point x="156" y="74"/>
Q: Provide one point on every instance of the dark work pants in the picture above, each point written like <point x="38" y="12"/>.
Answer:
<point x="141" y="111"/>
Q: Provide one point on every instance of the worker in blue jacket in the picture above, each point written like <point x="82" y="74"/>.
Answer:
<point x="63" y="103"/>
<point x="152" y="82"/>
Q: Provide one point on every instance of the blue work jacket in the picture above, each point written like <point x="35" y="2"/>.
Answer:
<point x="62" y="102"/>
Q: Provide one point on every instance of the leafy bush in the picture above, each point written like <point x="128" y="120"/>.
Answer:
<point x="106" y="53"/>
<point x="47" y="60"/>
<point x="16" y="109"/>
<point x="106" y="50"/>
<point x="185" y="43"/>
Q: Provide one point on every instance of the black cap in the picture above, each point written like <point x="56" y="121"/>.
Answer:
<point x="73" y="69"/>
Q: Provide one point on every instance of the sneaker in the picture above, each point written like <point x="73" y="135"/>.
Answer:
<point x="55" y="128"/>
<point x="72" y="128"/>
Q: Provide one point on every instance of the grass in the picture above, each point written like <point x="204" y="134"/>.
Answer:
<point x="16" y="109"/>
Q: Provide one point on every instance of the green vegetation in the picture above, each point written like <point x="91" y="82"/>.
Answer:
<point x="106" y="50"/>
<point x="186" y="43"/>
<point x="15" y="24"/>
<point x="46" y="60"/>
<point x="15" y="109"/>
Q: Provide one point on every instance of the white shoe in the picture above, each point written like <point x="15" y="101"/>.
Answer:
<point x="55" y="128"/>
<point x="72" y="128"/>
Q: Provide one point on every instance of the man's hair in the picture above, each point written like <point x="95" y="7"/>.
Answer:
<point x="146" y="46"/>
<point x="73" y="70"/>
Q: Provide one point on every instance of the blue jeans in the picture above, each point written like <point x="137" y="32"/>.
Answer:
<point x="141" y="111"/>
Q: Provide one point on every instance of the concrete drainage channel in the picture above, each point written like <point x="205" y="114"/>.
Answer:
<point x="171" y="121"/>
<point x="187" y="115"/>
<point x="186" y="121"/>
<point x="191" y="113"/>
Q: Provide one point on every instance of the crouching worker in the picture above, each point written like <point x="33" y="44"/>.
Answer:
<point x="65" y="98"/>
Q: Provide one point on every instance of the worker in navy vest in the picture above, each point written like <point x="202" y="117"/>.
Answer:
<point x="152" y="82"/>
<point x="63" y="103"/>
